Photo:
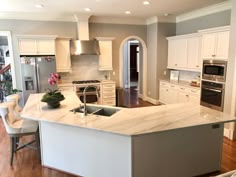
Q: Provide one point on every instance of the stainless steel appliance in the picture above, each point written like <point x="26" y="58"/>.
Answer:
<point x="92" y="94"/>
<point x="214" y="70"/>
<point x="35" y="72"/>
<point x="212" y="95"/>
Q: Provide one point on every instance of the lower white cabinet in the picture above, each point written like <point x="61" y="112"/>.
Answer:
<point x="108" y="93"/>
<point x="174" y="93"/>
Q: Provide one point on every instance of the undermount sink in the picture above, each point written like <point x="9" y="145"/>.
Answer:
<point x="96" y="110"/>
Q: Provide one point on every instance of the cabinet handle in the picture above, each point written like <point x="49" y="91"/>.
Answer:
<point x="167" y="90"/>
<point x="182" y="88"/>
<point x="187" y="95"/>
<point x="197" y="66"/>
<point x="175" y="64"/>
<point x="172" y="86"/>
<point x="213" y="55"/>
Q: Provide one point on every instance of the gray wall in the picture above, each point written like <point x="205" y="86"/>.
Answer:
<point x="208" y="21"/>
<point x="120" y="32"/>
<point x="152" y="60"/>
<point x="164" y="30"/>
<point x="26" y="27"/>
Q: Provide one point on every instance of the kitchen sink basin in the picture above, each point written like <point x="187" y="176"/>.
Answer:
<point x="90" y="109"/>
<point x="96" y="110"/>
<point x="106" y="111"/>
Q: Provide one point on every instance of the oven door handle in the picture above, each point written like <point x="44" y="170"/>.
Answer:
<point x="219" y="91"/>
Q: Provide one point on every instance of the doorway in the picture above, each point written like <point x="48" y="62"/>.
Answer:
<point x="7" y="75"/>
<point x="131" y="63"/>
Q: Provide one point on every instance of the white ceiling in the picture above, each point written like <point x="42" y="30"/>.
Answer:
<point x="100" y="8"/>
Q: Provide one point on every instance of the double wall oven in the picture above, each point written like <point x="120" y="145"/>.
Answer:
<point x="92" y="93"/>
<point x="213" y="84"/>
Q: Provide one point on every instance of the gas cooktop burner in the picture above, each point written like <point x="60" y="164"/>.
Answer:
<point x="85" y="82"/>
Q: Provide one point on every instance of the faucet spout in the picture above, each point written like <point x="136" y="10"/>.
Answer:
<point x="84" y="96"/>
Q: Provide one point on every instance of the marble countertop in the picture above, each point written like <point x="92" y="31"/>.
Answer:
<point x="134" y="121"/>
<point x="183" y="83"/>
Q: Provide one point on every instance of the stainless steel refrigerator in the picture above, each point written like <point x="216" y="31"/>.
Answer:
<point x="35" y="72"/>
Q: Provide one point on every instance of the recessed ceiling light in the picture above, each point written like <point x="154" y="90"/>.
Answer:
<point x="146" y="2"/>
<point x="127" y="12"/>
<point x="87" y="9"/>
<point x="39" y="6"/>
<point x="166" y="14"/>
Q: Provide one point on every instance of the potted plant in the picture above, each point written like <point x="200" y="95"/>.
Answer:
<point x="53" y="97"/>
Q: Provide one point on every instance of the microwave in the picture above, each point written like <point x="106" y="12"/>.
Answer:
<point x="214" y="70"/>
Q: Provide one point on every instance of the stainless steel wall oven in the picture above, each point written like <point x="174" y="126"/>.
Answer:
<point x="212" y="95"/>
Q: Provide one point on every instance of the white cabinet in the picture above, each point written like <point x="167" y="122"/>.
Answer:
<point x="193" y="53"/>
<point x="173" y="93"/>
<point x="108" y="93"/>
<point x="183" y="52"/>
<point x="105" y="57"/>
<point x="36" y="45"/>
<point x="63" y="59"/>
<point x="215" y="43"/>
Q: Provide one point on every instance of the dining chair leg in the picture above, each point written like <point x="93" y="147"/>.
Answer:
<point x="12" y="148"/>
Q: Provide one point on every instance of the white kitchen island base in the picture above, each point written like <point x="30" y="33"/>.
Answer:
<point x="88" y="152"/>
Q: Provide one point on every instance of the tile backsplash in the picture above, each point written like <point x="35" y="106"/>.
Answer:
<point x="188" y="76"/>
<point x="84" y="67"/>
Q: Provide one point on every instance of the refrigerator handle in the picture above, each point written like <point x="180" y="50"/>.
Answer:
<point x="38" y="78"/>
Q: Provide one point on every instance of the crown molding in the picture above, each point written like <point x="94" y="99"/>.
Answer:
<point x="227" y="5"/>
<point x="117" y="20"/>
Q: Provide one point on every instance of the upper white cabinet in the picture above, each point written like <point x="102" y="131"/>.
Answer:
<point x="105" y="57"/>
<point x="36" y="45"/>
<point x="63" y="59"/>
<point x="183" y="52"/>
<point x="215" y="43"/>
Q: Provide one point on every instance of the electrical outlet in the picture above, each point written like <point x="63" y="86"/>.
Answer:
<point x="113" y="73"/>
<point x="149" y="92"/>
<point x="164" y="72"/>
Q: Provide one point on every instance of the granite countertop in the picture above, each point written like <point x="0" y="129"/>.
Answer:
<point x="134" y="121"/>
<point x="183" y="83"/>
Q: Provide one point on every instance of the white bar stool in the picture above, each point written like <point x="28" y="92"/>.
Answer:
<point x="16" y="98"/>
<point x="17" y="127"/>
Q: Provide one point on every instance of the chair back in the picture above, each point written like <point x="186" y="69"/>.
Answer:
<point x="15" y="98"/>
<point x="5" y="112"/>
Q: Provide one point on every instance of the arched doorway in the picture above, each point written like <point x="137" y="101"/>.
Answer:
<point x="125" y="69"/>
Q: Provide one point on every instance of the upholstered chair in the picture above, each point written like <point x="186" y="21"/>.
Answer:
<point x="17" y="127"/>
<point x="16" y="98"/>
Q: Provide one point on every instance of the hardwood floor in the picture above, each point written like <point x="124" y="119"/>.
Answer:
<point x="27" y="164"/>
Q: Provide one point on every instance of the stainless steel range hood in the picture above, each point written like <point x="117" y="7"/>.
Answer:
<point x="82" y="45"/>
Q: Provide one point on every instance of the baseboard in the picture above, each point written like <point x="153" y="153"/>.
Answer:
<point x="151" y="100"/>
<point x="229" y="133"/>
<point x="140" y="95"/>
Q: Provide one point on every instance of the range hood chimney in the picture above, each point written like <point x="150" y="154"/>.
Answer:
<point x="83" y="46"/>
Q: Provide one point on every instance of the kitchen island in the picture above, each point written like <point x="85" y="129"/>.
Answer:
<point x="170" y="140"/>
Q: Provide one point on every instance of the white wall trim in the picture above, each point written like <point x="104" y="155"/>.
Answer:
<point x="229" y="133"/>
<point x="144" y="47"/>
<point x="205" y="11"/>
<point x="152" y="20"/>
<point x="151" y="100"/>
<point x="116" y="20"/>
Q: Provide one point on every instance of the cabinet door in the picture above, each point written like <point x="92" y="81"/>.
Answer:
<point x="27" y="46"/>
<point x="193" y="58"/>
<point x="181" y="53"/>
<point x="105" y="58"/>
<point x="194" y="99"/>
<point x="46" y="47"/>
<point x="172" y="96"/>
<point x="171" y="54"/>
<point x="222" y="45"/>
<point x="183" y="95"/>
<point x="63" y="60"/>
<point x="163" y="94"/>
<point x="208" y="45"/>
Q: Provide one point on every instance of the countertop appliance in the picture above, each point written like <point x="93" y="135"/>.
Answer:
<point x="214" y="70"/>
<point x="91" y="93"/>
<point x="35" y="72"/>
<point x="212" y="95"/>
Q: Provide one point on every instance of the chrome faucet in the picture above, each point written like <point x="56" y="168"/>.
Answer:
<point x="84" y="95"/>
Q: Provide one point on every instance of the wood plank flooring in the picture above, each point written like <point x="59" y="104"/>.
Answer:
<point x="27" y="164"/>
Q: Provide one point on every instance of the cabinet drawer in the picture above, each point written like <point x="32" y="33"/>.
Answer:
<point x="108" y="86"/>
<point x="110" y="90"/>
<point x="108" y="95"/>
<point x="109" y="101"/>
